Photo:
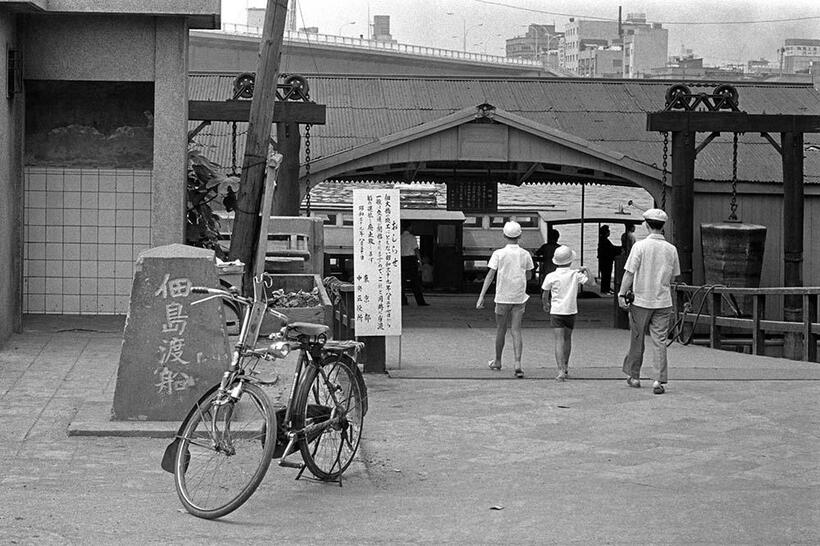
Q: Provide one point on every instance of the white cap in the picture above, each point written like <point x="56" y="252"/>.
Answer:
<point x="512" y="230"/>
<point x="655" y="214"/>
<point x="563" y="255"/>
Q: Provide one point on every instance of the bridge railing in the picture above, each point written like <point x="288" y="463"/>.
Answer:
<point x="365" y="43"/>
<point x="737" y="317"/>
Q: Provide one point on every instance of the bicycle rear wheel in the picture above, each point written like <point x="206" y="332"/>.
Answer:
<point x="224" y="452"/>
<point x="328" y="450"/>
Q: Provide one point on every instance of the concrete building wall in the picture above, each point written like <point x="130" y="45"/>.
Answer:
<point x="645" y="49"/>
<point x="10" y="188"/>
<point x="86" y="220"/>
<point x="577" y="30"/>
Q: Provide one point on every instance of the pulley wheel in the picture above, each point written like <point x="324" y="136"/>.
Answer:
<point x="243" y="85"/>
<point x="676" y="92"/>
<point x="730" y="92"/>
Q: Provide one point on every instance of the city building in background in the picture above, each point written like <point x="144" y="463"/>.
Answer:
<point x="601" y="62"/>
<point x="579" y="34"/>
<point x="798" y="55"/>
<point x="540" y="43"/>
<point x="381" y="29"/>
<point x="645" y="46"/>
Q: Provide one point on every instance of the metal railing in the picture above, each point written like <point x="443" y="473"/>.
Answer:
<point x="378" y="45"/>
<point x="737" y="316"/>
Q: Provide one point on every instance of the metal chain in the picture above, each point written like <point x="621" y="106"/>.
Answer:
<point x="307" y="168"/>
<point x="733" y="204"/>
<point x="665" y="163"/>
<point x="233" y="150"/>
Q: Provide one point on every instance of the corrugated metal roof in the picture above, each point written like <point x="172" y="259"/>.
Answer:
<point x="611" y="113"/>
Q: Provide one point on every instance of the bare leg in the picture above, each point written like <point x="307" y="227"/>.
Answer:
<point x="501" y="322"/>
<point x="563" y="347"/>
<point x="518" y="340"/>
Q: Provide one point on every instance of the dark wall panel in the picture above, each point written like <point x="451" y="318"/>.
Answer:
<point x="89" y="124"/>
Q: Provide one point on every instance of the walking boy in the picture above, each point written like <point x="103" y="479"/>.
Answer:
<point x="649" y="270"/>
<point x="513" y="265"/>
<point x="559" y="294"/>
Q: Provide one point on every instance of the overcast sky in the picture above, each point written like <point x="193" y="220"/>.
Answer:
<point x="757" y="32"/>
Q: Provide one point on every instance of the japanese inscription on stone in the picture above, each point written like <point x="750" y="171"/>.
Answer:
<point x="377" y="262"/>
<point x="172" y="350"/>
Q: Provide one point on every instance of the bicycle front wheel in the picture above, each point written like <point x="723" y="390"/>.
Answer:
<point x="329" y="412"/>
<point x="224" y="452"/>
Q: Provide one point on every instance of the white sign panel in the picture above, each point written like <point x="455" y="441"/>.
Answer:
<point x="377" y="262"/>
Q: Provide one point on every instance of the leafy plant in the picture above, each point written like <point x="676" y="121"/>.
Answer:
<point x="205" y="184"/>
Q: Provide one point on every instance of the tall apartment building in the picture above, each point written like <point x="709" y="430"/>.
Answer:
<point x="642" y="46"/>
<point x="798" y="55"/>
<point x="541" y="42"/>
<point x="645" y="46"/>
<point x="578" y="32"/>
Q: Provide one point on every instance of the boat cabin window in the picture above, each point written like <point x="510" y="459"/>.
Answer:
<point x="527" y="220"/>
<point x="498" y="221"/>
<point x="473" y="221"/>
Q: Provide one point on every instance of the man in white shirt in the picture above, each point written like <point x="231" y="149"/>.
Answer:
<point x="410" y="258"/>
<point x="513" y="265"/>
<point x="649" y="270"/>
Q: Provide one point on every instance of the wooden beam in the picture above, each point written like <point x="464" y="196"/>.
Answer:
<point x="683" y="200"/>
<point x="739" y="122"/>
<point x="240" y="110"/>
<point x="793" y="217"/>
<point x="706" y="142"/>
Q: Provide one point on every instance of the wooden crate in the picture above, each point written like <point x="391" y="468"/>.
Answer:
<point x="321" y="314"/>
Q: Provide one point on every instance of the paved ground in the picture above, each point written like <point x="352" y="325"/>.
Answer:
<point x="728" y="456"/>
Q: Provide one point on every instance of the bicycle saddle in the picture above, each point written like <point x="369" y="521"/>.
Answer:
<point x="307" y="328"/>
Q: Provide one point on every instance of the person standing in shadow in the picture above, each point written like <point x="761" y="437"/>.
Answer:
<point x="628" y="238"/>
<point x="410" y="259"/>
<point x="606" y="258"/>
<point x="545" y="253"/>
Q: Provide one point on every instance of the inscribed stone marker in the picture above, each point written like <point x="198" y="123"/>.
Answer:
<point x="172" y="352"/>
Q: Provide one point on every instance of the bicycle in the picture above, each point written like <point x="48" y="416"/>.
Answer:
<point x="225" y="444"/>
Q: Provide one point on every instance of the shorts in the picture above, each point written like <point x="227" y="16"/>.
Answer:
<point x="510" y="309"/>
<point x="562" y="321"/>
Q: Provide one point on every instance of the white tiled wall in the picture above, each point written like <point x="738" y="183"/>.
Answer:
<point x="84" y="229"/>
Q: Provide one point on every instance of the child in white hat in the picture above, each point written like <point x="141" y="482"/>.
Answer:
<point x="513" y="266"/>
<point x="559" y="293"/>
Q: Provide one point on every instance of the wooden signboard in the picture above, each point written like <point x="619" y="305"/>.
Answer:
<point x="472" y="196"/>
<point x="172" y="351"/>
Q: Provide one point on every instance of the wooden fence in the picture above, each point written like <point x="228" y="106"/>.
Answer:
<point x="737" y="316"/>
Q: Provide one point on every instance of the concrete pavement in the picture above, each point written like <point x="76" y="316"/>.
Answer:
<point x="458" y="454"/>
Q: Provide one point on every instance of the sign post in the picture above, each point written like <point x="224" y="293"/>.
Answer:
<point x="377" y="263"/>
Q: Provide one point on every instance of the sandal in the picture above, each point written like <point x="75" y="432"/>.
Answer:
<point x="493" y="365"/>
<point x="519" y="373"/>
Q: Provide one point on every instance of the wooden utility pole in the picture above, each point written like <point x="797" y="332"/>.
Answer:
<point x="246" y="225"/>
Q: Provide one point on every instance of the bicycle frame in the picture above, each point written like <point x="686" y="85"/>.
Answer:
<point x="253" y="314"/>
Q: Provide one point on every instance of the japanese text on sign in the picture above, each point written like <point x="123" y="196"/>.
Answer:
<point x="377" y="262"/>
<point x="472" y="196"/>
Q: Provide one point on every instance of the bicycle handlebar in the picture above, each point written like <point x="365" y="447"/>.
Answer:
<point x="219" y="293"/>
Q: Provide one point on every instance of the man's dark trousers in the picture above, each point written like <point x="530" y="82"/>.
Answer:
<point x="410" y="275"/>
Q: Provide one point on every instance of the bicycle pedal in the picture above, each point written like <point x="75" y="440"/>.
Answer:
<point x="290" y="464"/>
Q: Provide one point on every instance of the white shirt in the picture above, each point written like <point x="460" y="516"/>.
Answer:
<point x="654" y="263"/>
<point x="408" y="244"/>
<point x="511" y="264"/>
<point x="562" y="284"/>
